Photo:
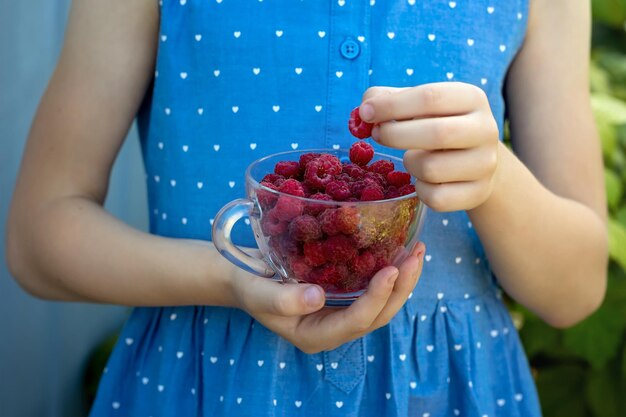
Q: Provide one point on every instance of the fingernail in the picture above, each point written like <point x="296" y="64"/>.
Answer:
<point x="366" y="111"/>
<point x="391" y="279"/>
<point x="313" y="296"/>
<point x="376" y="133"/>
<point x="418" y="249"/>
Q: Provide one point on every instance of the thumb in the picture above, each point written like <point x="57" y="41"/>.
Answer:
<point x="262" y="295"/>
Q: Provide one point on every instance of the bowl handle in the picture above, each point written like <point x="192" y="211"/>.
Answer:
<point x="222" y="228"/>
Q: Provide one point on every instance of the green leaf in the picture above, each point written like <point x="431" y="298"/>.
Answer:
<point x="609" y="107"/>
<point x="597" y="339"/>
<point x="614" y="189"/>
<point x="620" y="216"/>
<point x="617" y="242"/>
<point x="539" y="338"/>
<point x="610" y="12"/>
<point x="602" y="393"/>
<point x="608" y="136"/>
<point x="561" y="391"/>
<point x="599" y="79"/>
<point x="624" y="363"/>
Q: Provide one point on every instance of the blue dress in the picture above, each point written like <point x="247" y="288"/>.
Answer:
<point x="239" y="79"/>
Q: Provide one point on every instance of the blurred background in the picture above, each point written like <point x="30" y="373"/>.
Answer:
<point x="51" y="354"/>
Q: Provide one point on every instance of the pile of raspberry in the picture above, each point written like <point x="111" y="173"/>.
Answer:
<point x="325" y="243"/>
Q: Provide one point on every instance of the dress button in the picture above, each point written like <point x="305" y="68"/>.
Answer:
<point x="350" y="49"/>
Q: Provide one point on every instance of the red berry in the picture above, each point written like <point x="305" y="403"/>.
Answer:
<point x="300" y="268"/>
<point x="354" y="171"/>
<point x="338" y="190"/>
<point x="271" y="224"/>
<point x="361" y="153"/>
<point x="382" y="166"/>
<point x="372" y="193"/>
<point x="315" y="209"/>
<point x="273" y="179"/>
<point x="292" y="187"/>
<point x="406" y="189"/>
<point x="267" y="198"/>
<point x="363" y="265"/>
<point x="289" y="247"/>
<point x="288" y="169"/>
<point x="288" y="208"/>
<point x="398" y="178"/>
<point x="313" y="253"/>
<point x="339" y="248"/>
<point x="358" y="127"/>
<point x="305" y="158"/>
<point x="326" y="275"/>
<point x="348" y="220"/>
<point x="305" y="228"/>
<point x="319" y="172"/>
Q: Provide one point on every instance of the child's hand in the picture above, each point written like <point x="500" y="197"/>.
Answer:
<point x="450" y="135"/>
<point x="294" y="311"/>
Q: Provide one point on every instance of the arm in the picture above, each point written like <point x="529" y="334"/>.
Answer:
<point x="544" y="226"/>
<point x="62" y="245"/>
<point x="540" y="213"/>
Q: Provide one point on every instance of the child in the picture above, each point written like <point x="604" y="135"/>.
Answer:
<point x="217" y="84"/>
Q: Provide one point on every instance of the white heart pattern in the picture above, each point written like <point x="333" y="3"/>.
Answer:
<point x="231" y="184"/>
<point x="294" y="146"/>
<point x="402" y="357"/>
<point x="321" y="33"/>
<point x="298" y="71"/>
<point x="282" y="365"/>
<point x="179" y="354"/>
<point x="237" y="34"/>
<point x="216" y="147"/>
<point x="413" y="384"/>
<point x="279" y="33"/>
<point x="235" y="109"/>
<point x="276" y="108"/>
<point x="318" y="108"/>
<point x="334" y="365"/>
<point x="431" y="37"/>
<point x="183" y="75"/>
<point x="185" y="148"/>
<point x="430" y="348"/>
<point x="198" y="37"/>
<point x="339" y="404"/>
<point x="213" y="359"/>
<point x="490" y="9"/>
<point x="409" y="71"/>
<point x="319" y="367"/>
<point x="256" y="71"/>
<point x="260" y="363"/>
<point x="253" y="146"/>
<point x="339" y="74"/>
<point x="298" y="403"/>
<point x="129" y="341"/>
<point x="391" y="35"/>
<point x="336" y="146"/>
<point x="370" y="358"/>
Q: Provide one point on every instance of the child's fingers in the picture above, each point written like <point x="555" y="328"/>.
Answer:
<point x="427" y="100"/>
<point x="410" y="272"/>
<point x="264" y="296"/>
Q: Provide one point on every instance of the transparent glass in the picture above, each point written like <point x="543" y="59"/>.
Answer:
<point x="363" y="236"/>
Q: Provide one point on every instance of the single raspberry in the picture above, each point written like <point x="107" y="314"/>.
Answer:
<point x="288" y="208"/>
<point x="338" y="190"/>
<point x="313" y="253"/>
<point x="392" y="192"/>
<point x="382" y="166"/>
<point x="406" y="189"/>
<point x="339" y="248"/>
<point x="398" y="178"/>
<point x="382" y="255"/>
<point x="288" y="169"/>
<point x="300" y="268"/>
<point x="271" y="224"/>
<point x="361" y="153"/>
<point x="358" y="127"/>
<point x="305" y="228"/>
<point x="329" y="220"/>
<point x="273" y="179"/>
<point x="289" y="247"/>
<point x="344" y="177"/>
<point x="307" y="189"/>
<point x="363" y="265"/>
<point x="326" y="275"/>
<point x="353" y="170"/>
<point x="267" y="198"/>
<point x="315" y="209"/>
<point x="292" y="187"/>
<point x="372" y="193"/>
<point x="319" y="172"/>
<point x="347" y="220"/>
<point x="305" y="158"/>
<point x="357" y="186"/>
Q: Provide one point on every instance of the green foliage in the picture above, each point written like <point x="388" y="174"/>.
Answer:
<point x="581" y="371"/>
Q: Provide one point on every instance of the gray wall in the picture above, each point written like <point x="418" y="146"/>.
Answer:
<point x="44" y="345"/>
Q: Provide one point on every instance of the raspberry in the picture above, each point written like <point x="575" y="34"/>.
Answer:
<point x="361" y="153"/>
<point x="378" y="178"/>
<point x="338" y="190"/>
<point x="326" y="275"/>
<point x="392" y="192"/>
<point x="267" y="198"/>
<point x="372" y="193"/>
<point x="357" y="186"/>
<point x="272" y="225"/>
<point x="305" y="228"/>
<point x="398" y="178"/>
<point x="288" y="169"/>
<point x="321" y="171"/>
<point x="339" y="248"/>
<point x="406" y="189"/>
<point x="305" y="158"/>
<point x="315" y="209"/>
<point x="289" y="247"/>
<point x="273" y="179"/>
<point x="288" y="208"/>
<point x="292" y="187"/>
<point x="363" y="265"/>
<point x="313" y="253"/>
<point x="342" y="220"/>
<point x="358" y="127"/>
<point x="382" y="166"/>
<point x="300" y="268"/>
<point x="353" y="170"/>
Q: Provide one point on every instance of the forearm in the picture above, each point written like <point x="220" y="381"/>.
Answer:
<point x="548" y="252"/>
<point x="72" y="249"/>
